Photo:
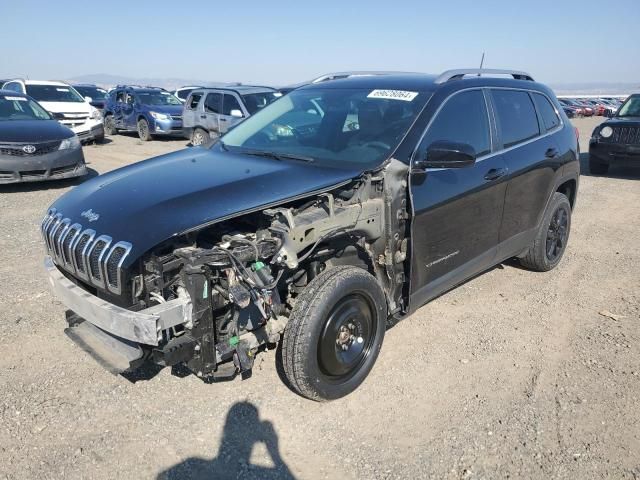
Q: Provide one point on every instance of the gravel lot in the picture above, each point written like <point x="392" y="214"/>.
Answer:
<point x="514" y="374"/>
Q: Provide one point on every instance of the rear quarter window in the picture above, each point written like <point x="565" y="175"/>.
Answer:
<point x="548" y="113"/>
<point x="516" y="116"/>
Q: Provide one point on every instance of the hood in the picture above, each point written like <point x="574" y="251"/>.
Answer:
<point x="66" y="107"/>
<point x="151" y="201"/>
<point x="168" y="109"/>
<point x="32" y="131"/>
<point x="622" y="121"/>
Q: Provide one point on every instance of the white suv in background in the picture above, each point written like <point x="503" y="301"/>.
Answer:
<point x="65" y="104"/>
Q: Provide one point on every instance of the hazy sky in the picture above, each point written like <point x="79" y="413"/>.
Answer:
<point x="281" y="42"/>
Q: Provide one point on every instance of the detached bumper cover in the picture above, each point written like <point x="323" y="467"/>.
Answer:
<point x="143" y="327"/>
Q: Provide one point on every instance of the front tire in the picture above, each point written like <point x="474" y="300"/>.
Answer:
<point x="334" y="334"/>
<point x="143" y="130"/>
<point x="551" y="239"/>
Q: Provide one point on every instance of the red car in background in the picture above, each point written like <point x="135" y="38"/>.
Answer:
<point x="598" y="108"/>
<point x="581" y="110"/>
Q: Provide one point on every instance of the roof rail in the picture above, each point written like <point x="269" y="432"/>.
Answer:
<point x="459" y="74"/>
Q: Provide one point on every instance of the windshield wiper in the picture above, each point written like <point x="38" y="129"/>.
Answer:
<point x="278" y="155"/>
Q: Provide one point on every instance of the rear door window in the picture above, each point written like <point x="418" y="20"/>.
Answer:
<point x="194" y="100"/>
<point x="230" y="103"/>
<point x="213" y="103"/>
<point x="516" y="116"/>
<point x="462" y="119"/>
<point x="549" y="116"/>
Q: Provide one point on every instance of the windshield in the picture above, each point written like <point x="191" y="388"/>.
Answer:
<point x="336" y="127"/>
<point x="21" y="108"/>
<point x="257" y="101"/>
<point x="95" y="93"/>
<point x="630" y="108"/>
<point x="157" y="98"/>
<point x="54" y="93"/>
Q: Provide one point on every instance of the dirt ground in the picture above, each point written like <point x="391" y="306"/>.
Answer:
<point x="513" y="375"/>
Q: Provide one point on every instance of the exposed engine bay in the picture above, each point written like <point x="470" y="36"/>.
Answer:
<point x="242" y="275"/>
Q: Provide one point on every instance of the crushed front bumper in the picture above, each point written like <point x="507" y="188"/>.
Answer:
<point x="114" y="335"/>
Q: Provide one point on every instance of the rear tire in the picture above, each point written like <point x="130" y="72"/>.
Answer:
<point x="597" y="168"/>
<point x="551" y="239"/>
<point x="334" y="334"/>
<point x="143" y="130"/>
<point x="110" y="125"/>
<point x="200" y="137"/>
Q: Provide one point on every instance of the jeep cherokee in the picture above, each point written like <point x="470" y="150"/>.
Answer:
<point x="318" y="222"/>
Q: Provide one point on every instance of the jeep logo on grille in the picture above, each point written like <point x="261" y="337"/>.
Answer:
<point x="90" y="215"/>
<point x="29" y="149"/>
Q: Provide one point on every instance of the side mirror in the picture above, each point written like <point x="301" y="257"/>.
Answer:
<point x="444" y="154"/>
<point x="88" y="99"/>
<point x="236" y="114"/>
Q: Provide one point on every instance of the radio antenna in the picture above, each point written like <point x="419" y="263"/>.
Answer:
<point x="481" y="62"/>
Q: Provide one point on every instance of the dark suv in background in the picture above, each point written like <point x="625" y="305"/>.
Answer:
<point x="149" y="111"/>
<point x="618" y="139"/>
<point x="335" y="212"/>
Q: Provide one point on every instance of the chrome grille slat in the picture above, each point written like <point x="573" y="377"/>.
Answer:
<point x="91" y="257"/>
<point x="95" y="256"/>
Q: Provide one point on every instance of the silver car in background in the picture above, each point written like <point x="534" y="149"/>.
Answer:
<point x="211" y="112"/>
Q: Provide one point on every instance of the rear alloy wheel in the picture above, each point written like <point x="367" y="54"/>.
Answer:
<point x="334" y="334"/>
<point x="199" y="137"/>
<point x="143" y="130"/>
<point x="110" y="125"/>
<point x="551" y="239"/>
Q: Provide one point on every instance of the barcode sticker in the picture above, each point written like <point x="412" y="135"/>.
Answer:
<point x="393" y="95"/>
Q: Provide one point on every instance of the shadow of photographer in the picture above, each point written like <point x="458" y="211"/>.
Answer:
<point x="242" y="430"/>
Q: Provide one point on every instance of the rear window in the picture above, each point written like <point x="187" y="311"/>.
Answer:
<point x="547" y="112"/>
<point x="516" y="116"/>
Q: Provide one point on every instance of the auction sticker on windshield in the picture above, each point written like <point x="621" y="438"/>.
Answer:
<point x="393" y="95"/>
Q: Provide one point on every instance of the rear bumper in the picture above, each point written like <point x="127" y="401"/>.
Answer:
<point x="52" y="166"/>
<point x="110" y="332"/>
<point x="610" y="153"/>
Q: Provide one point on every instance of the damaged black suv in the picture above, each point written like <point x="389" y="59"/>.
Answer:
<point x="318" y="223"/>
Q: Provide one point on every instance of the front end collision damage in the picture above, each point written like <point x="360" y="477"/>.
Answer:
<point x="213" y="297"/>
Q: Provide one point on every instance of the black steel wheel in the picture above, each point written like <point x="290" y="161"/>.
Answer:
<point x="552" y="236"/>
<point x="334" y="333"/>
<point x="347" y="337"/>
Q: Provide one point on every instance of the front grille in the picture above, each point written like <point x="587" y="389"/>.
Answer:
<point x="18" y="149"/>
<point x="176" y="117"/>
<point x="626" y="135"/>
<point x="91" y="257"/>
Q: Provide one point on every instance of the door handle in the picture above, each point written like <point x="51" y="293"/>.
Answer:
<point x="551" y="153"/>
<point x="203" y="116"/>
<point x="495" y="173"/>
<point x="223" y="119"/>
